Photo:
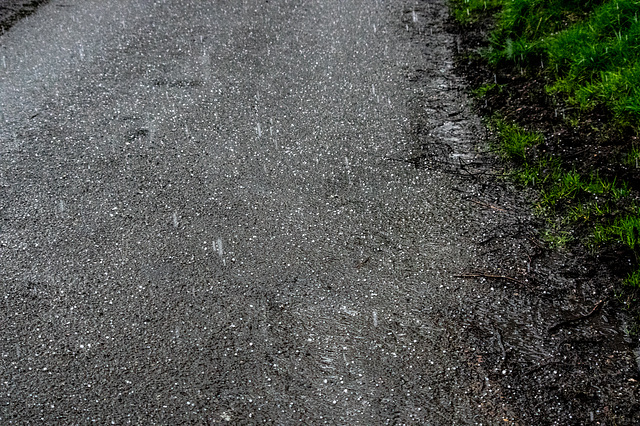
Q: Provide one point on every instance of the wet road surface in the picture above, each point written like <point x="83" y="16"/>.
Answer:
<point x="209" y="213"/>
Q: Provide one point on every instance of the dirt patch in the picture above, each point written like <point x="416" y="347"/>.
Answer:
<point x="591" y="376"/>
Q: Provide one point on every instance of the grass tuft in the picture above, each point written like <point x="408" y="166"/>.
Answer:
<point x="469" y="11"/>
<point x="633" y="279"/>
<point x="556" y="238"/>
<point x="514" y="140"/>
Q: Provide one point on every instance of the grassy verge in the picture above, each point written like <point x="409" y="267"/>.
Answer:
<point x="589" y="50"/>
<point x="585" y="57"/>
<point x="568" y="194"/>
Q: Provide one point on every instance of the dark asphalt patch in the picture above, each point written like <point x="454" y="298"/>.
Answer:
<point x="11" y="11"/>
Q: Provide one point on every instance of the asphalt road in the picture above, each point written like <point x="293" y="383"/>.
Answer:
<point x="206" y="216"/>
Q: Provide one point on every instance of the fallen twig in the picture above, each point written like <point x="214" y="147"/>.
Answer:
<point x="535" y="243"/>
<point x="591" y="313"/>
<point x="364" y="262"/>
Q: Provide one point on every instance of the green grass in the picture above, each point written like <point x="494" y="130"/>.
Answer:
<point x="589" y="50"/>
<point x="538" y="173"/>
<point x="633" y="279"/>
<point x="468" y="11"/>
<point x="588" y="54"/>
<point x="633" y="157"/>
<point x="588" y="211"/>
<point x="514" y="140"/>
<point x="482" y="91"/>
<point x="624" y="230"/>
<point x="566" y="193"/>
<point x="571" y="196"/>
<point x="598" y="59"/>
<point x="572" y="185"/>
<point x="557" y="238"/>
<point x="547" y="174"/>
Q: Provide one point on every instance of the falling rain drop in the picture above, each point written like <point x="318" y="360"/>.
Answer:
<point x="375" y="318"/>
<point x="414" y="16"/>
<point x="175" y="219"/>
<point x="259" y="130"/>
<point x="346" y="161"/>
<point x="152" y="129"/>
<point x="217" y="246"/>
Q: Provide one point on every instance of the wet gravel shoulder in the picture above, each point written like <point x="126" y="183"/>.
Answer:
<point x="590" y="372"/>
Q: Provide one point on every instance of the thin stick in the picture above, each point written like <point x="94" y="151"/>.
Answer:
<point x="364" y="262"/>
<point x="578" y="318"/>
<point x="483" y="204"/>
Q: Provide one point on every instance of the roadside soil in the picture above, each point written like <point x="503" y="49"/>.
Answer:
<point x="593" y="374"/>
